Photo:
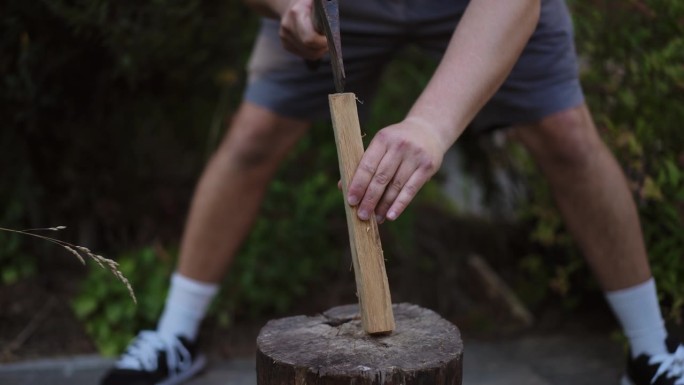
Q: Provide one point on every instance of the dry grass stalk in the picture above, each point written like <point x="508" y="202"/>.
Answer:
<point x="80" y="252"/>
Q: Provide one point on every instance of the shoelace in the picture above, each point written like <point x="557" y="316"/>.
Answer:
<point x="671" y="365"/>
<point x="143" y="353"/>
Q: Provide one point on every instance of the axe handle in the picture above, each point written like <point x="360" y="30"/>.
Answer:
<point x="313" y="65"/>
<point x="369" y="264"/>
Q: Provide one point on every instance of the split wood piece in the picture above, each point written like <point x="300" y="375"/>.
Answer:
<point x="333" y="349"/>
<point x="369" y="264"/>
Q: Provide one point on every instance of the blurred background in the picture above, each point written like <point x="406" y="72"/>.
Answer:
<point x="110" y="109"/>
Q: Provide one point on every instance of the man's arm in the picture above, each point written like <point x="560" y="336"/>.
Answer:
<point x="296" y="26"/>
<point x="402" y="157"/>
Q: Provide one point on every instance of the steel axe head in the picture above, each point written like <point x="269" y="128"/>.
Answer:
<point x="326" y="19"/>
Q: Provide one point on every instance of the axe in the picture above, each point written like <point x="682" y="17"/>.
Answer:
<point x="372" y="288"/>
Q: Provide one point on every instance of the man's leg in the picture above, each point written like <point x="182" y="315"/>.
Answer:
<point x="592" y="195"/>
<point x="230" y="191"/>
<point x="223" y="209"/>
<point x="589" y="188"/>
<point x="594" y="199"/>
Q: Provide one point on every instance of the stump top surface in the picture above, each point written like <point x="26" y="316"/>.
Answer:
<point x="336" y="341"/>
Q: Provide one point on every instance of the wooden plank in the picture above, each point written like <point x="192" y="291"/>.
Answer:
<point x="367" y="256"/>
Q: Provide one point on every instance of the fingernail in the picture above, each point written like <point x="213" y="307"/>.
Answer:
<point x="379" y="218"/>
<point x="392" y="215"/>
<point x="353" y="200"/>
<point x="363" y="215"/>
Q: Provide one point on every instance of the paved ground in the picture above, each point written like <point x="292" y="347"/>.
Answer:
<point x="528" y="360"/>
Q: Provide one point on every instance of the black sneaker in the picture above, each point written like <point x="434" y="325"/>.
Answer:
<point x="153" y="359"/>
<point x="661" y="369"/>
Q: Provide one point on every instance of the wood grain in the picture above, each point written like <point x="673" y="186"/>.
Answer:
<point x="333" y="349"/>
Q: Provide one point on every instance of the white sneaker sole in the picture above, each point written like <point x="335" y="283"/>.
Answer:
<point x="197" y="366"/>
<point x="626" y="381"/>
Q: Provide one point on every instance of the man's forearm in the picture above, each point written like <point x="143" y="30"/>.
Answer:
<point x="485" y="46"/>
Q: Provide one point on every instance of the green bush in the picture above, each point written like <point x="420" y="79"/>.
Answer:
<point x="106" y="308"/>
<point x="634" y="82"/>
<point x="111" y="108"/>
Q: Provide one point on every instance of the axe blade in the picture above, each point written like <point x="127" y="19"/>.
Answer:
<point x="327" y="20"/>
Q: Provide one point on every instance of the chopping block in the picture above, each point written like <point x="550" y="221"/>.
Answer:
<point x="332" y="348"/>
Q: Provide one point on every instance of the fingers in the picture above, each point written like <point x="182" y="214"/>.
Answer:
<point x="368" y="166"/>
<point x="389" y="189"/>
<point x="378" y="182"/>
<point x="380" y="177"/>
<point x="396" y="165"/>
<point x="405" y="196"/>
<point x="403" y="180"/>
<point x="298" y="35"/>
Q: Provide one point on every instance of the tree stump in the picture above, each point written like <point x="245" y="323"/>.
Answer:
<point x="333" y="349"/>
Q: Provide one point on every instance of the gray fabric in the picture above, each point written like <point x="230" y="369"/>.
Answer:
<point x="543" y="81"/>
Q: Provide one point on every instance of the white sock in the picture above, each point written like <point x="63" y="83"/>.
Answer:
<point x="186" y="306"/>
<point x="638" y="311"/>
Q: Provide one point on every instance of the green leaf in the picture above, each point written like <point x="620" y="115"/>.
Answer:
<point x="84" y="306"/>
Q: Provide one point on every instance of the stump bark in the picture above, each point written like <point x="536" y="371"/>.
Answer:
<point x="333" y="349"/>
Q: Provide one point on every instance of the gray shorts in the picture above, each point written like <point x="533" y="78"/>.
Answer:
<point x="542" y="82"/>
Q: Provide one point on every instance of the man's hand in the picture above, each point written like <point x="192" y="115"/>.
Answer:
<point x="397" y="163"/>
<point x="297" y="31"/>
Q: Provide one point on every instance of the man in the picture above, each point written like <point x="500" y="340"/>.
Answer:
<point x="503" y="64"/>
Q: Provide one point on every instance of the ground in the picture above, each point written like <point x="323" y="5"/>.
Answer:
<point x="37" y="320"/>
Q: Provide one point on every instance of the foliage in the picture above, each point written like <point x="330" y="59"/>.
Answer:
<point x="16" y="265"/>
<point x="634" y="82"/>
<point x="110" y="110"/>
<point x="105" y="307"/>
<point x="17" y="197"/>
<point x="108" y="106"/>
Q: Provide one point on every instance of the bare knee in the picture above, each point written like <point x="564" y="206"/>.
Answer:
<point x="566" y="139"/>
<point x="259" y="138"/>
